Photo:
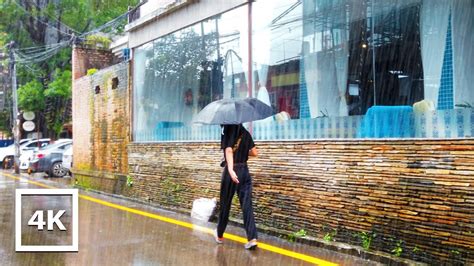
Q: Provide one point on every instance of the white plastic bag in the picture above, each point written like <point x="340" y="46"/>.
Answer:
<point x="203" y="208"/>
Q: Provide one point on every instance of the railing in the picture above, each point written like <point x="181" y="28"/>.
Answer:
<point x="454" y="123"/>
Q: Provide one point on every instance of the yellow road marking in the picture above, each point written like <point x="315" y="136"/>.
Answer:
<point x="236" y="238"/>
<point x="28" y="180"/>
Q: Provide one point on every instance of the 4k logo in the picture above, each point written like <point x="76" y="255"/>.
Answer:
<point x="51" y="220"/>
<point x="37" y="220"/>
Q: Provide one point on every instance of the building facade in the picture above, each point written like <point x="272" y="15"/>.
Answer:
<point x="374" y="121"/>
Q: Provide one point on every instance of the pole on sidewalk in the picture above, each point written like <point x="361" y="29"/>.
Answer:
<point x="16" y="126"/>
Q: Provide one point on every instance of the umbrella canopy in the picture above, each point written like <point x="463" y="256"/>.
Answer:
<point x="233" y="111"/>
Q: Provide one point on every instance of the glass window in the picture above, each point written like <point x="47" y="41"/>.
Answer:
<point x="364" y="69"/>
<point x="328" y="68"/>
<point x="33" y="144"/>
<point x="177" y="75"/>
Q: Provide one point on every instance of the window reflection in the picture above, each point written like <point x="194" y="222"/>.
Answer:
<point x="179" y="74"/>
<point x="381" y="68"/>
<point x="328" y="68"/>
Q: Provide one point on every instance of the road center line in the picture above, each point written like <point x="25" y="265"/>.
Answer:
<point x="235" y="238"/>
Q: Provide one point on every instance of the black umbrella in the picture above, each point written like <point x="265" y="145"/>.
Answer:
<point x="233" y="111"/>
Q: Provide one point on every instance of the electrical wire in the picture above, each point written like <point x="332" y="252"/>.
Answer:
<point x="21" y="57"/>
<point x="37" y="19"/>
<point x="38" y="54"/>
<point x="36" y="49"/>
<point x="109" y="24"/>
<point x="114" y="22"/>
<point x="31" y="69"/>
<point x="55" y="19"/>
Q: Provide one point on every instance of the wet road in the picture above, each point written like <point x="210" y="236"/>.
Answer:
<point x="114" y="231"/>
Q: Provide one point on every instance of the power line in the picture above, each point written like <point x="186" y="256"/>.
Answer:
<point x="286" y="12"/>
<point x="55" y="19"/>
<point x="34" y="49"/>
<point x="111" y="23"/>
<point x="37" y="19"/>
<point x="114" y="21"/>
<point x="31" y="69"/>
<point x="38" y="54"/>
<point x="37" y="57"/>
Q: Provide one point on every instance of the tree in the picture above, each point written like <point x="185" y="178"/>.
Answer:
<point x="31" y="96"/>
<point x="58" y="92"/>
<point x="32" y="23"/>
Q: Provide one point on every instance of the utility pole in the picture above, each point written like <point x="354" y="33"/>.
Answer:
<point x="16" y="120"/>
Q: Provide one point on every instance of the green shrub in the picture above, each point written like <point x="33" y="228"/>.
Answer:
<point x="330" y="236"/>
<point x="91" y="71"/>
<point x="98" y="41"/>
<point x="366" y="239"/>
<point x="398" y="250"/>
<point x="293" y="236"/>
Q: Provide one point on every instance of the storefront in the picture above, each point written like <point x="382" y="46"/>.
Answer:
<point x="329" y="69"/>
<point x="374" y="120"/>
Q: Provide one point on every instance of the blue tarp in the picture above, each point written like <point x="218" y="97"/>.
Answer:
<point x="388" y="122"/>
<point x="163" y="131"/>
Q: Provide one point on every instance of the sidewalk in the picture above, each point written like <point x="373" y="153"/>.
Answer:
<point x="122" y="232"/>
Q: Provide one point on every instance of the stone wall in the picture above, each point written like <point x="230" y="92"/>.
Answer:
<point x="101" y="127"/>
<point x="418" y="193"/>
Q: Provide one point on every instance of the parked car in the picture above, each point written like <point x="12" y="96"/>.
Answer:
<point x="67" y="160"/>
<point x="10" y="149"/>
<point x="27" y="153"/>
<point x="7" y="153"/>
<point x="49" y="159"/>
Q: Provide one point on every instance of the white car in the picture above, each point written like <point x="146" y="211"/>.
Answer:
<point x="27" y="150"/>
<point x="27" y="154"/>
<point x="67" y="159"/>
<point x="49" y="159"/>
<point x="10" y="150"/>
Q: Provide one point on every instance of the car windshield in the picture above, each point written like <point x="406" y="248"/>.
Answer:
<point x="55" y="145"/>
<point x="34" y="143"/>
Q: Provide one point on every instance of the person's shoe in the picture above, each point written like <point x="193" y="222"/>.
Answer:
<point x="219" y="240"/>
<point x="251" y="245"/>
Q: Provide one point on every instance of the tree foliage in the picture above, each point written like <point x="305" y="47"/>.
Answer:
<point x="32" y="23"/>
<point x="58" y="96"/>
<point x="31" y="96"/>
<point x="60" y="87"/>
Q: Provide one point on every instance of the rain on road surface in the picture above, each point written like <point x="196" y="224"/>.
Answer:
<point x="115" y="231"/>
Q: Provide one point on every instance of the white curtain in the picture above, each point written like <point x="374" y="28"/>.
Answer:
<point x="139" y="87"/>
<point x="326" y="78"/>
<point x="326" y="84"/>
<point x="433" y="28"/>
<point x="326" y="59"/>
<point x="463" y="50"/>
<point x="342" y="64"/>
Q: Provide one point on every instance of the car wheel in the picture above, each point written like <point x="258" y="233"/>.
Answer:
<point x="57" y="170"/>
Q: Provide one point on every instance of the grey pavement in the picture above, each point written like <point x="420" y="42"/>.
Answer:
<point x="110" y="236"/>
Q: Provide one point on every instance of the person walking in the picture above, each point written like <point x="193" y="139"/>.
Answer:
<point x="238" y="145"/>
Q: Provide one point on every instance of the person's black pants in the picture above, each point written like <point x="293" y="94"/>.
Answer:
<point x="244" y="191"/>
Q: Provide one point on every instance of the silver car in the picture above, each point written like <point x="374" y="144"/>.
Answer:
<point x="67" y="160"/>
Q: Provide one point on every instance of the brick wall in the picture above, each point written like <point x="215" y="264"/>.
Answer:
<point x="84" y="59"/>
<point x="101" y="127"/>
<point x="417" y="191"/>
<point x="81" y="102"/>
